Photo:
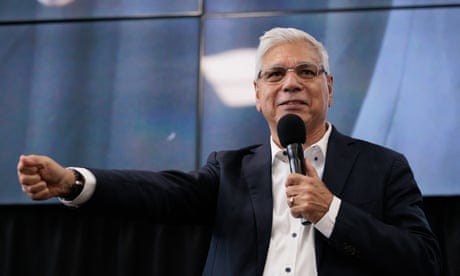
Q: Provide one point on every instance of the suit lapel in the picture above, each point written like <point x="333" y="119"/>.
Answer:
<point x="257" y="173"/>
<point x="340" y="158"/>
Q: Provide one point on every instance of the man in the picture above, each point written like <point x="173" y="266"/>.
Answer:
<point x="361" y="199"/>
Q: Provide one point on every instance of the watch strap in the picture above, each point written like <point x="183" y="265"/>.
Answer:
<point x="77" y="186"/>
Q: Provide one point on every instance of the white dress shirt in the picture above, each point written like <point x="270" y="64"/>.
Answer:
<point x="292" y="244"/>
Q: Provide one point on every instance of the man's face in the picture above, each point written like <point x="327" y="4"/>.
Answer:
<point x="307" y="98"/>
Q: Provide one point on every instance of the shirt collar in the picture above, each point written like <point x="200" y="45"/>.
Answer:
<point x="322" y="144"/>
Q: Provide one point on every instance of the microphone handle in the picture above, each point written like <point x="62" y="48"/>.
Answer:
<point x="297" y="165"/>
<point x="296" y="159"/>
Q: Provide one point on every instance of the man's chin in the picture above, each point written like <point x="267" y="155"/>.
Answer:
<point x="296" y="111"/>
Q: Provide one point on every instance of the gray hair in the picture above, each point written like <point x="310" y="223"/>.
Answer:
<point x="278" y="36"/>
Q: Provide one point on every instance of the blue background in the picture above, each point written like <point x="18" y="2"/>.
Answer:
<point x="132" y="84"/>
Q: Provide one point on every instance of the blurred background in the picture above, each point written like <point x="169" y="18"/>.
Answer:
<point x="161" y="84"/>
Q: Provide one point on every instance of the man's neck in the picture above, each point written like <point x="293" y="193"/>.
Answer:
<point x="314" y="135"/>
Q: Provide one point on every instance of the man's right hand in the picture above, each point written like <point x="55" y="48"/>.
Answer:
<point x="42" y="178"/>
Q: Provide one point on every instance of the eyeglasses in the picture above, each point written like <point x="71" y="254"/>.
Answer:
<point x="305" y="71"/>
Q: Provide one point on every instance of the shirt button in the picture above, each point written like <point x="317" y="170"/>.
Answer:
<point x="287" y="269"/>
<point x="294" y="235"/>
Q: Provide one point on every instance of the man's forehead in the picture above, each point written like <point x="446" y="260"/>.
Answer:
<point x="291" y="53"/>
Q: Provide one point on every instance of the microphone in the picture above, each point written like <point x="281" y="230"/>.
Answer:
<point x="292" y="134"/>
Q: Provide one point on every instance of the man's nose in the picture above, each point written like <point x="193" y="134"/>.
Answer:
<point x="291" y="82"/>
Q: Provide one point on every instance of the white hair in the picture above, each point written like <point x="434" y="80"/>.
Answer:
<point x="278" y="36"/>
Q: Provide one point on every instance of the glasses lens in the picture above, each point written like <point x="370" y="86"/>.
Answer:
<point x="307" y="70"/>
<point x="274" y="74"/>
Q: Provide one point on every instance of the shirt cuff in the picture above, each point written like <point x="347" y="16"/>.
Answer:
<point x="326" y="224"/>
<point x="89" y="186"/>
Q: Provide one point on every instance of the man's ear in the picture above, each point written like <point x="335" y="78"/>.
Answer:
<point x="330" y="87"/>
<point x="257" y="94"/>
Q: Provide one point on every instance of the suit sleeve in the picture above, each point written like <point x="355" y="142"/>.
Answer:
<point x="166" y="196"/>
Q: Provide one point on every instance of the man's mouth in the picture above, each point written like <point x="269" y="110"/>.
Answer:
<point x="293" y="102"/>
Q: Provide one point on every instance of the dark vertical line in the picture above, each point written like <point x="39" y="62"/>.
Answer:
<point x="199" y="107"/>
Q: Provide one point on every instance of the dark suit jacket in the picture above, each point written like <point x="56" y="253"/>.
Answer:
<point x="380" y="228"/>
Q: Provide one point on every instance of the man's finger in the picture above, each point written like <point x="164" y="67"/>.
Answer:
<point x="28" y="170"/>
<point x="29" y="179"/>
<point x="29" y="165"/>
<point x="311" y="171"/>
<point x="37" y="188"/>
<point x="42" y="195"/>
<point x="31" y="161"/>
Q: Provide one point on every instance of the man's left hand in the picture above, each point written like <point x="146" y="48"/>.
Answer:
<point x="307" y="195"/>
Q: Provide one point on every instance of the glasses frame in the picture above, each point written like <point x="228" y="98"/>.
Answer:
<point x="319" y="70"/>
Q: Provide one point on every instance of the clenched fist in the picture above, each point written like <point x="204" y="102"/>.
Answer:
<point x="42" y="178"/>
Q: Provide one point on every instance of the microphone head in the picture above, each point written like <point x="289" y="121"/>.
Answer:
<point x="291" y="130"/>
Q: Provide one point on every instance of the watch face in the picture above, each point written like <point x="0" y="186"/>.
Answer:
<point x="78" y="177"/>
<point x="77" y="186"/>
<point x="75" y="191"/>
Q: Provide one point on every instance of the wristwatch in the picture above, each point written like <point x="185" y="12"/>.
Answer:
<point x="77" y="186"/>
